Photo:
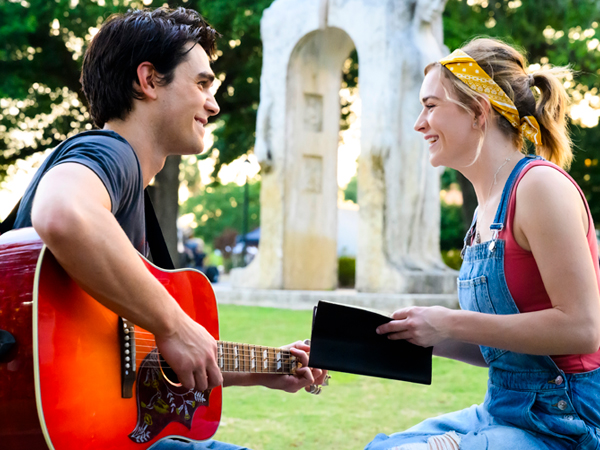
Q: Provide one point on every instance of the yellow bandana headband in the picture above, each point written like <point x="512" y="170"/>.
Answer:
<point x="469" y="72"/>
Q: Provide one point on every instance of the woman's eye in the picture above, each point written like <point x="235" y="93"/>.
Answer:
<point x="429" y="106"/>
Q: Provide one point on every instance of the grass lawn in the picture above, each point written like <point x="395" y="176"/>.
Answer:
<point x="348" y="413"/>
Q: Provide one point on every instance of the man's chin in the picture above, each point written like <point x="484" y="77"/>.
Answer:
<point x="196" y="150"/>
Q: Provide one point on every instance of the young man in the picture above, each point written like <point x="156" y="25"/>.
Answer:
<point x="147" y="77"/>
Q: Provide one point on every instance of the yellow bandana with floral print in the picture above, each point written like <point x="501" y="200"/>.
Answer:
<point x="469" y="72"/>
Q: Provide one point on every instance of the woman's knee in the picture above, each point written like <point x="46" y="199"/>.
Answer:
<point x="447" y="441"/>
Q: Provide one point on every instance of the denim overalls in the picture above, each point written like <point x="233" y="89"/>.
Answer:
<point x="530" y="403"/>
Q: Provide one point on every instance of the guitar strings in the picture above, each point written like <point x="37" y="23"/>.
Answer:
<point x="226" y="352"/>
<point x="229" y="353"/>
<point x="229" y="350"/>
<point x="142" y="332"/>
<point x="244" y="360"/>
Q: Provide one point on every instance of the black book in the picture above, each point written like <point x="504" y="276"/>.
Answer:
<point x="344" y="339"/>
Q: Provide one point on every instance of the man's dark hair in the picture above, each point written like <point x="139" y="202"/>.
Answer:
<point x="124" y="42"/>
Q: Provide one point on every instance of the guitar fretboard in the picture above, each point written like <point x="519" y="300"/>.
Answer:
<point x="233" y="357"/>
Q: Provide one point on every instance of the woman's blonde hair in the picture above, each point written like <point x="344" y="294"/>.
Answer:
<point x="540" y="94"/>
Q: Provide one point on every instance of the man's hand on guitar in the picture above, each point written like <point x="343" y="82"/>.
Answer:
<point x="303" y="378"/>
<point x="192" y="353"/>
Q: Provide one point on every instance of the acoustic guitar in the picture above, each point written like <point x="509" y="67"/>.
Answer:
<point x="79" y="377"/>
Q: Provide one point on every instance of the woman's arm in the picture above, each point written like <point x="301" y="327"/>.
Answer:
<point x="549" y="215"/>
<point x="460" y="351"/>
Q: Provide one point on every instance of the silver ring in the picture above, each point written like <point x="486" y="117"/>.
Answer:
<point x="315" y="389"/>
<point x="307" y="341"/>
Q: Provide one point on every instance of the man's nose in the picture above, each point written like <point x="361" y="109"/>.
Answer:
<point x="212" y="106"/>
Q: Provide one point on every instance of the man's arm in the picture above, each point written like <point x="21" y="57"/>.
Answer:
<point x="303" y="378"/>
<point x="72" y="214"/>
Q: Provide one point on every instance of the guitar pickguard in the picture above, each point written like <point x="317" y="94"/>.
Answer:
<point x="160" y="402"/>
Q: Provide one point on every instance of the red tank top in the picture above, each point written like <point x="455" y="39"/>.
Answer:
<point x="525" y="281"/>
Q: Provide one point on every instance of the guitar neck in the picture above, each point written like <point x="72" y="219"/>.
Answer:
<point x="246" y="358"/>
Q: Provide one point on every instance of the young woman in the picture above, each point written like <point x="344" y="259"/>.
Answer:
<point x="529" y="283"/>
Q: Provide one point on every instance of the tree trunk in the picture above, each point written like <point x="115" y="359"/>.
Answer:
<point x="469" y="199"/>
<point x="165" y="198"/>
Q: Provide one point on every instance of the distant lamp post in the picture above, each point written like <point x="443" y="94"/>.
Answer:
<point x="247" y="167"/>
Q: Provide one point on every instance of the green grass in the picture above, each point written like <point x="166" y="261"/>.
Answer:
<point x="348" y="413"/>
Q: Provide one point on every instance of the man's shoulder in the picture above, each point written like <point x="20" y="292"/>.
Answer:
<point x="91" y="138"/>
<point x="99" y="145"/>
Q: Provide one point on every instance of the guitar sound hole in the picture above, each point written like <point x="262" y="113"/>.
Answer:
<point x="168" y="373"/>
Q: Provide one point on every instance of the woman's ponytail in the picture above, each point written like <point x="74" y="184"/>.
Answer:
<point x="550" y="112"/>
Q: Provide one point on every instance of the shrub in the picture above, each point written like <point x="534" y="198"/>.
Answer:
<point x="452" y="227"/>
<point x="452" y="258"/>
<point x="346" y="271"/>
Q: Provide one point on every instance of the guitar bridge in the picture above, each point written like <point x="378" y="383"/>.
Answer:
<point x="127" y="351"/>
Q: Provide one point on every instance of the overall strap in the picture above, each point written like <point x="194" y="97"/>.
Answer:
<point x="9" y="222"/>
<point x="155" y="238"/>
<point x="498" y="223"/>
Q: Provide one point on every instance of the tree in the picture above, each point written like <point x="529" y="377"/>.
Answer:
<point x="351" y="191"/>
<point x="217" y="208"/>
<point x="40" y="57"/>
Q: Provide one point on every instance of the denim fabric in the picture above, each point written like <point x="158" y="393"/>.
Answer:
<point x="530" y="403"/>
<point x="172" y="444"/>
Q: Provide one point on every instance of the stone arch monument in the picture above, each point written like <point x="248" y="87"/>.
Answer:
<point x="305" y="43"/>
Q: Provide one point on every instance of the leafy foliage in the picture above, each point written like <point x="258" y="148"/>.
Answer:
<point x="40" y="59"/>
<point x="350" y="82"/>
<point x="585" y="170"/>
<point x="452" y="229"/>
<point x="219" y="208"/>
<point x="351" y="191"/>
<point x="239" y="68"/>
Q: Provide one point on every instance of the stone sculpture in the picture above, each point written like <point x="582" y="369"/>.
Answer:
<point x="305" y="43"/>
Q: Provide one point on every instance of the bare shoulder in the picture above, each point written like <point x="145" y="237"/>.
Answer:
<point x="548" y="202"/>
<point x="545" y="186"/>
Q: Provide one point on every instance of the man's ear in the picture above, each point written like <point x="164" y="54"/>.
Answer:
<point x="147" y="80"/>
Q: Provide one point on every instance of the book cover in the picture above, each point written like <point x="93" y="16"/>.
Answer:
<point x="344" y="339"/>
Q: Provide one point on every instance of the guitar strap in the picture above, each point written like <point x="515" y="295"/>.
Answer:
<point x="9" y="222"/>
<point x="154" y="236"/>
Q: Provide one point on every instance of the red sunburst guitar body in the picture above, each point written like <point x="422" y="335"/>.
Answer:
<point x="61" y="385"/>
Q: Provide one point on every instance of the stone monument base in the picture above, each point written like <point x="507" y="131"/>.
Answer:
<point x="397" y="281"/>
<point x="290" y="299"/>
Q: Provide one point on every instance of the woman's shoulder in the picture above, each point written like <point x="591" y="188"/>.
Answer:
<point x="547" y="194"/>
<point x="544" y="179"/>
